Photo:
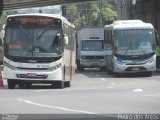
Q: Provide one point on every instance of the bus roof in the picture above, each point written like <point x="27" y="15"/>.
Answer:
<point x="128" y="24"/>
<point x="45" y="15"/>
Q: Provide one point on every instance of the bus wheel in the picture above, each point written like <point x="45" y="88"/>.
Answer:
<point x="59" y="84"/>
<point x="116" y="74"/>
<point x="11" y="84"/>
<point x="148" y="74"/>
<point x="110" y="72"/>
<point x="67" y="83"/>
<point x="80" y="67"/>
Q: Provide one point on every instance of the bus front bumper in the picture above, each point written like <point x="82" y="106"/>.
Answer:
<point x="148" y="67"/>
<point x="33" y="75"/>
<point x="92" y="63"/>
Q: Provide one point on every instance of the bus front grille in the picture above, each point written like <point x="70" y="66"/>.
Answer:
<point x="140" y="68"/>
<point x="93" y="57"/>
<point x="37" y="76"/>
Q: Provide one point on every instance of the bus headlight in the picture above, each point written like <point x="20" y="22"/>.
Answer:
<point x="120" y="62"/>
<point x="151" y="60"/>
<point x="9" y="66"/>
<point x="55" y="67"/>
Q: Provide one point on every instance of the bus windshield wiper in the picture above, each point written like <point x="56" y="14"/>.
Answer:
<point x="126" y="51"/>
<point x="144" y="53"/>
<point x="42" y="33"/>
<point x="22" y="29"/>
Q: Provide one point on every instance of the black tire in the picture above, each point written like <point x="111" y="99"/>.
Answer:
<point x="82" y="68"/>
<point x="67" y="83"/>
<point x="58" y="84"/>
<point x="110" y="72"/>
<point x="79" y="66"/>
<point x="116" y="74"/>
<point x="148" y="74"/>
<point x="11" y="84"/>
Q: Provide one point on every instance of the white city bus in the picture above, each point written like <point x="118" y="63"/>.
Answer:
<point x="131" y="47"/>
<point x="39" y="48"/>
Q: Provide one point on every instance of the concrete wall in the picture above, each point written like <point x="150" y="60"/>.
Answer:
<point x="123" y="7"/>
<point x="146" y="10"/>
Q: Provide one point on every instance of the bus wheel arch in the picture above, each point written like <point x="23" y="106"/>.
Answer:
<point x="11" y="84"/>
<point x="59" y="84"/>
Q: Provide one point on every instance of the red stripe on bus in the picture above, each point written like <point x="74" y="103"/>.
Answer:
<point x="70" y="64"/>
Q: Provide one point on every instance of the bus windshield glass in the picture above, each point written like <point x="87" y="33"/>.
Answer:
<point x="92" y="45"/>
<point x="134" y="42"/>
<point x="31" y="37"/>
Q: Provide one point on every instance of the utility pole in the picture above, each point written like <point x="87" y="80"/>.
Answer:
<point x="121" y="9"/>
<point x="100" y="14"/>
<point x="1" y="6"/>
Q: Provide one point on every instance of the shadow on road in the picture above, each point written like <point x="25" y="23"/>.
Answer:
<point x="33" y="86"/>
<point x="96" y="73"/>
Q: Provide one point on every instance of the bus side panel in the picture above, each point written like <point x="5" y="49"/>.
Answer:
<point x="69" y="53"/>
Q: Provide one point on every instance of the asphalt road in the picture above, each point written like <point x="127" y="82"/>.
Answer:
<point x="92" y="92"/>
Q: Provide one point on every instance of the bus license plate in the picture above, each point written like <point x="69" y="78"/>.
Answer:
<point x="135" y="69"/>
<point x="31" y="74"/>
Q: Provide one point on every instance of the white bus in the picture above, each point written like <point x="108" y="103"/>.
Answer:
<point x="131" y="47"/>
<point x="38" y="48"/>
<point x="1" y="44"/>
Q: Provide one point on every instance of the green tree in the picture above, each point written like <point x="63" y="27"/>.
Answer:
<point x="2" y="18"/>
<point x="96" y="13"/>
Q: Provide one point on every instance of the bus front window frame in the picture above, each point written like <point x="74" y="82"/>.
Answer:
<point x="132" y="41"/>
<point x="35" y="49"/>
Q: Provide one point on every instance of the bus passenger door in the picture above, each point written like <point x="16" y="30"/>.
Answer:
<point x="108" y="56"/>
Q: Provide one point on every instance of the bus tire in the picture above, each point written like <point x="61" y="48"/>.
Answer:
<point x="110" y="72"/>
<point x="148" y="74"/>
<point x="59" y="84"/>
<point x="79" y="66"/>
<point x="116" y="74"/>
<point x="11" y="84"/>
<point x="67" y="83"/>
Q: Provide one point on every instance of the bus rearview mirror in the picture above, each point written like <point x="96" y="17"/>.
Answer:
<point x="66" y="39"/>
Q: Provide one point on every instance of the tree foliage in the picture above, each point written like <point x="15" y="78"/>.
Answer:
<point x="2" y="19"/>
<point x="92" y="13"/>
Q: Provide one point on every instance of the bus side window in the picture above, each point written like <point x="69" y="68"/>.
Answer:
<point x="108" y="40"/>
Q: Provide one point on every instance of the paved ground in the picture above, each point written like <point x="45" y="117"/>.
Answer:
<point x="92" y="92"/>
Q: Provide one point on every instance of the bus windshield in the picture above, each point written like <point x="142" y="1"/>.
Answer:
<point x="26" y="40"/>
<point x="134" y="42"/>
<point x="92" y="45"/>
